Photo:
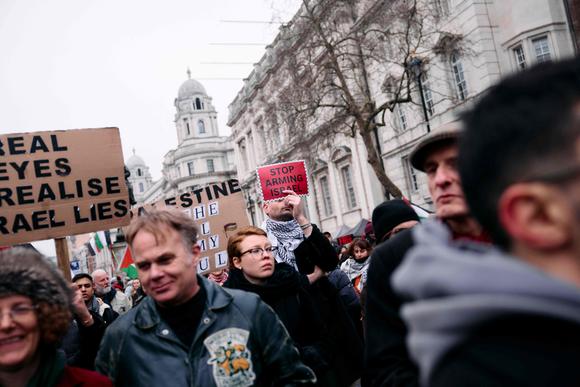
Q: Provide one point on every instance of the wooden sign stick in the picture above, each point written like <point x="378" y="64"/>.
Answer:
<point x="62" y="257"/>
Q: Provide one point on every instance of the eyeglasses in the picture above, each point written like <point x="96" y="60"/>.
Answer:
<point x="258" y="252"/>
<point x="20" y="313"/>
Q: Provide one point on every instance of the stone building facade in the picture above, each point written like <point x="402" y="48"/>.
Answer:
<point x="477" y="43"/>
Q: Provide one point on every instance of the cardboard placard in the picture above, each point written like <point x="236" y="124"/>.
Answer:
<point x="59" y="183"/>
<point x="275" y="178"/>
<point x="218" y="210"/>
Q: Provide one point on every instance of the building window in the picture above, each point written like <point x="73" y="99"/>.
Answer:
<point x="519" y="57"/>
<point x="187" y="129"/>
<point x="411" y="175"/>
<point x="542" y="49"/>
<point x="138" y="171"/>
<point x="326" y="199"/>
<point x="458" y="76"/>
<point x="141" y="189"/>
<point x="198" y="104"/>
<point x="243" y="154"/>
<point x="348" y="187"/>
<point x="201" y="126"/>
<point x="190" y="169"/>
<point x="427" y="94"/>
<point x="401" y="118"/>
<point x="210" y="166"/>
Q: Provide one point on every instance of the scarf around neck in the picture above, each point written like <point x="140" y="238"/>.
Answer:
<point x="284" y="282"/>
<point x="49" y="371"/>
<point x="94" y="305"/>
<point x="354" y="268"/>
<point x="288" y="235"/>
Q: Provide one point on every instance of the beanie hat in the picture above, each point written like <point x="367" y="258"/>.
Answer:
<point x="389" y="214"/>
<point x="25" y="272"/>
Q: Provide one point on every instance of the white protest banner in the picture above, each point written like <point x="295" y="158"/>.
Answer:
<point x="218" y="210"/>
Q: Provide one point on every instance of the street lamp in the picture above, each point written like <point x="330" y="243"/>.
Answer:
<point x="416" y="67"/>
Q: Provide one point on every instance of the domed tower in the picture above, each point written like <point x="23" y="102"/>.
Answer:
<point x="140" y="178"/>
<point x="195" y="116"/>
<point x="202" y="156"/>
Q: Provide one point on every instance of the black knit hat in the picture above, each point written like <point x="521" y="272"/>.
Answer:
<point x="389" y="214"/>
<point x="446" y="134"/>
<point x="27" y="273"/>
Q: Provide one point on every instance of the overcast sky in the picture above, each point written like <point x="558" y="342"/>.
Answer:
<point x="86" y="64"/>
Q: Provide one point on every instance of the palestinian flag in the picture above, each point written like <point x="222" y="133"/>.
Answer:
<point x="100" y="240"/>
<point x="127" y="265"/>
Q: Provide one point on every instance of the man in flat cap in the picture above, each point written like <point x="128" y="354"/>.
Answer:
<point x="387" y="361"/>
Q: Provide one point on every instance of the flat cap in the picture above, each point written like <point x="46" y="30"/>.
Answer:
<point x="447" y="133"/>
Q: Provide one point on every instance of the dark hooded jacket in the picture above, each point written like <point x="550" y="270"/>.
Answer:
<point x="285" y="292"/>
<point x="387" y="362"/>
<point x="484" y="318"/>
<point x="239" y="341"/>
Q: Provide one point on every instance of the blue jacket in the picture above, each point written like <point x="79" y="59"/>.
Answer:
<point x="239" y="341"/>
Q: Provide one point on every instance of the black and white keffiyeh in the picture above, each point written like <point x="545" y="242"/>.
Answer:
<point x="285" y="236"/>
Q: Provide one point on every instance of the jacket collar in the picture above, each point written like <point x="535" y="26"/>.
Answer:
<point x="147" y="317"/>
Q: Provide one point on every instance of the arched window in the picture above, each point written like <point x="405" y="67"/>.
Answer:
<point x="186" y="122"/>
<point x="201" y="127"/>
<point x="198" y="104"/>
<point x="138" y="171"/>
<point x="141" y="187"/>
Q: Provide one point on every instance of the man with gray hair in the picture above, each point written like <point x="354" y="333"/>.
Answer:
<point x="190" y="331"/>
<point x="117" y="300"/>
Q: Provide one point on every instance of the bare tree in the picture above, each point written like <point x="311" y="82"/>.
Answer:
<point x="335" y="52"/>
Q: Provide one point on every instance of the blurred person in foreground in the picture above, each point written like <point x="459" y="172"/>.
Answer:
<point x="507" y="316"/>
<point x="190" y="331"/>
<point x="387" y="361"/>
<point x="35" y="313"/>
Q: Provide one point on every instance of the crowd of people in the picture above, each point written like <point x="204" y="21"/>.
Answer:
<point x="486" y="292"/>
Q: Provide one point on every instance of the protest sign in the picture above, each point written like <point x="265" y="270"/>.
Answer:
<point x="218" y="210"/>
<point x="59" y="183"/>
<point x="276" y="178"/>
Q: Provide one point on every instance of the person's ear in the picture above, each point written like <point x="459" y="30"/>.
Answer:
<point x="533" y="214"/>
<point x="195" y="250"/>
<point x="237" y="261"/>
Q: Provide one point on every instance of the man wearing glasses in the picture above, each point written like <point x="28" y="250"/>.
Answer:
<point x="512" y="315"/>
<point x="190" y="331"/>
<point x="387" y="362"/>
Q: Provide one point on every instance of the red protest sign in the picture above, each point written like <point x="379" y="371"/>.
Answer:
<point x="276" y="178"/>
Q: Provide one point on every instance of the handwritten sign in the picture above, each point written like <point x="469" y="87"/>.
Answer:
<point x="276" y="178"/>
<point x="218" y="210"/>
<point x="59" y="183"/>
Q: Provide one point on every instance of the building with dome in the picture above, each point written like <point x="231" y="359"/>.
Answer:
<point x="140" y="177"/>
<point x="202" y="156"/>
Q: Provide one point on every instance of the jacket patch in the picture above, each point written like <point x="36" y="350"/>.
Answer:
<point x="230" y="357"/>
